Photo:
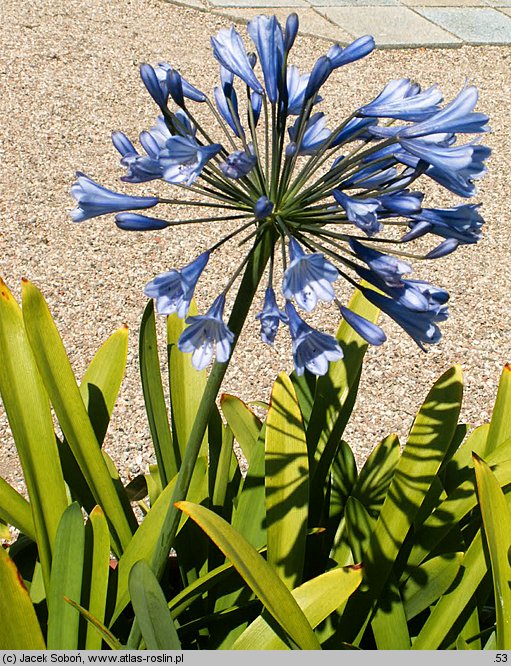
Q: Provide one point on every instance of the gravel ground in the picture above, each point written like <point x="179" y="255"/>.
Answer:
<point x="69" y="76"/>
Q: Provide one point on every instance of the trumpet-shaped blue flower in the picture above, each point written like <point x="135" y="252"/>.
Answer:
<point x="238" y="164"/>
<point x="270" y="317"/>
<point x="403" y="100"/>
<point x="163" y="70"/>
<point x="207" y="334"/>
<point x="267" y="36"/>
<point x="292" y="24"/>
<point x="356" y="128"/>
<point x="463" y="223"/>
<point x="296" y="87"/>
<point x="370" y="331"/>
<point x="358" y="49"/>
<point x="227" y="102"/>
<point x="184" y="158"/>
<point x="159" y="93"/>
<point x="94" y="199"/>
<point x="308" y="278"/>
<point x="173" y="290"/>
<point x="362" y="212"/>
<point x="401" y="203"/>
<point x="390" y="269"/>
<point x="316" y="133"/>
<point x="422" y="326"/>
<point x="457" y="116"/>
<point x="312" y="350"/>
<point x="229" y="50"/>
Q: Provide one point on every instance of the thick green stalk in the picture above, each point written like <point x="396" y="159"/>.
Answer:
<point x="247" y="290"/>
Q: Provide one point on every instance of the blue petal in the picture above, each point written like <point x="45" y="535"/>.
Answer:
<point x="365" y="328"/>
<point x="229" y="50"/>
<point x="266" y="34"/>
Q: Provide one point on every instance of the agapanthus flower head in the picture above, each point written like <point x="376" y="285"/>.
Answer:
<point x="331" y="198"/>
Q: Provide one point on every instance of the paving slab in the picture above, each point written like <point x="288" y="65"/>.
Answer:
<point x="258" y="3"/>
<point x="472" y="25"/>
<point x="390" y="26"/>
<point x="459" y="4"/>
<point x="311" y="23"/>
<point x="352" y="3"/>
<point x="499" y="3"/>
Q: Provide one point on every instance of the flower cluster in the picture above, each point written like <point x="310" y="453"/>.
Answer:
<point x="326" y="193"/>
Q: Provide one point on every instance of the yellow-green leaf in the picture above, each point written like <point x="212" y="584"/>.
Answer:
<point x="287" y="483"/>
<point x="19" y="627"/>
<point x="500" y="424"/>
<point x="497" y="529"/>
<point x="100" y="570"/>
<point x="15" y="510"/>
<point x="258" y="575"/>
<point x="62" y="388"/>
<point x="317" y="598"/>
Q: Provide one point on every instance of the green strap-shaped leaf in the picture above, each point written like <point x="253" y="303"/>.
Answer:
<point x="28" y="410"/>
<point x="317" y="598"/>
<point x="186" y="383"/>
<point x="429" y="582"/>
<point x="66" y="581"/>
<point x="141" y="546"/>
<point x="287" y="483"/>
<point x="497" y="529"/>
<point x="359" y="527"/>
<point x="151" y="611"/>
<point x="15" y="510"/>
<point x="62" y="388"/>
<point x="428" y="443"/>
<point x="389" y="626"/>
<point x="461" y="500"/>
<point x="249" y="515"/>
<point x="500" y="424"/>
<point x="102" y="380"/>
<point x="243" y="422"/>
<point x="451" y="605"/>
<point x="458" y="466"/>
<point x="258" y="575"/>
<point x="98" y="626"/>
<point x="332" y="404"/>
<point x="100" y="570"/>
<point x="168" y="458"/>
<point x="19" y="627"/>
<point x="376" y="475"/>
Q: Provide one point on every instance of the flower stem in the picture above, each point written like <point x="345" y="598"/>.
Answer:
<point x="250" y="281"/>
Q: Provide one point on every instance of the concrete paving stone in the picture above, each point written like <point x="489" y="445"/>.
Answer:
<point x="352" y="3"/>
<point x="444" y="3"/>
<point x="311" y="23"/>
<point x="506" y="11"/>
<point x="499" y="3"/>
<point x="195" y="4"/>
<point x="257" y="3"/>
<point x="390" y="26"/>
<point x="474" y="26"/>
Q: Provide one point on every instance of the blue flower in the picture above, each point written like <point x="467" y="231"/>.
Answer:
<point x="238" y="164"/>
<point x="319" y="74"/>
<point x="371" y="332"/>
<point x="135" y="222"/>
<point x="263" y="208"/>
<point x="362" y="212"/>
<point x="206" y="334"/>
<point x="173" y="290"/>
<point x="308" y="278"/>
<point x="358" y="49"/>
<point x="388" y="268"/>
<point x="227" y="102"/>
<point x="94" y="200"/>
<point x="353" y="129"/>
<point x="296" y="87"/>
<point x="184" y="158"/>
<point x="458" y="116"/>
<point x="291" y="31"/>
<point x="267" y="36"/>
<point x="270" y="317"/>
<point x="316" y="133"/>
<point x="401" y="203"/>
<point x="159" y="93"/>
<point x="229" y="50"/>
<point x="463" y="223"/>
<point x="403" y="100"/>
<point x="422" y="326"/>
<point x="312" y="350"/>
<point x="163" y="70"/>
